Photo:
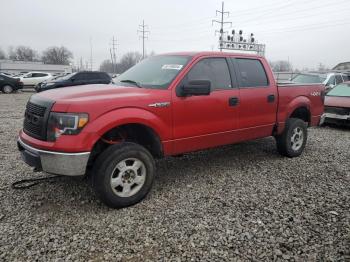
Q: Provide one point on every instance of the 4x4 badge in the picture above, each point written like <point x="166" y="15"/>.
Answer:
<point x="160" y="104"/>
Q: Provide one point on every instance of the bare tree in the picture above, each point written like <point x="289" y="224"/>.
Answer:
<point x="322" y="68"/>
<point x="2" y="54"/>
<point x="106" y="66"/>
<point x="57" y="55"/>
<point x="128" y="60"/>
<point x="281" y="66"/>
<point x="23" y="53"/>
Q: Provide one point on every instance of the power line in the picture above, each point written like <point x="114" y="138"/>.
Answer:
<point x="143" y="36"/>
<point x="285" y="14"/>
<point x="303" y="28"/>
<point x="222" y="23"/>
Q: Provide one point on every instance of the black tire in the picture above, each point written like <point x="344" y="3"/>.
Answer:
<point x="285" y="146"/>
<point x="105" y="168"/>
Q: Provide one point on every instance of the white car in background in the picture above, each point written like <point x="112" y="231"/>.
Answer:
<point x="34" y="78"/>
<point x="329" y="80"/>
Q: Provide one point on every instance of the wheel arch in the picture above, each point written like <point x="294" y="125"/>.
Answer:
<point x="299" y="107"/>
<point x="301" y="112"/>
<point x="141" y="128"/>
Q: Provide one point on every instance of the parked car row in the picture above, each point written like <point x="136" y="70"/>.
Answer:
<point x="42" y="81"/>
<point x="74" y="79"/>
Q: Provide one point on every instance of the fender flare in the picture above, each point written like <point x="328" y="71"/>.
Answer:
<point x="298" y="102"/>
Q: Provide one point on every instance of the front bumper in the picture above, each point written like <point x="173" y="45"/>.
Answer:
<point x="59" y="163"/>
<point x="335" y="119"/>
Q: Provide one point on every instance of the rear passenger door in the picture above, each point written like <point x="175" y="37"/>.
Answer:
<point x="258" y="99"/>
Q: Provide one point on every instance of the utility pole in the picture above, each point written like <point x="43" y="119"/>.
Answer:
<point x="113" y="51"/>
<point x="143" y="36"/>
<point x="90" y="54"/>
<point x="222" y="23"/>
<point x="81" y="67"/>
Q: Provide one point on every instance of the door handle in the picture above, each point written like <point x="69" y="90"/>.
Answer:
<point x="233" y="101"/>
<point x="271" y="98"/>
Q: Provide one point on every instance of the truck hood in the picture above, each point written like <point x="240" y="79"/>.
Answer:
<point x="99" y="99"/>
<point x="337" y="101"/>
<point x="85" y="93"/>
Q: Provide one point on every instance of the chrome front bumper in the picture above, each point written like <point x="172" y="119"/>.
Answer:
<point x="68" y="164"/>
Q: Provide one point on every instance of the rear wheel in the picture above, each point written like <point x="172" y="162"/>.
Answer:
<point x="123" y="175"/>
<point x="292" y="141"/>
<point x="7" y="89"/>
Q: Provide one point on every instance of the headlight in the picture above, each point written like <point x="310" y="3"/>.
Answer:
<point x="65" y="124"/>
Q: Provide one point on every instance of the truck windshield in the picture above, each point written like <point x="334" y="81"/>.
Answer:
<point x="340" y="90"/>
<point x="154" y="72"/>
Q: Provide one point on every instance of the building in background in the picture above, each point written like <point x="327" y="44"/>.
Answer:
<point x="10" y="66"/>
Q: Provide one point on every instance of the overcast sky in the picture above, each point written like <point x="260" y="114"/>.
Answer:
<point x="305" y="32"/>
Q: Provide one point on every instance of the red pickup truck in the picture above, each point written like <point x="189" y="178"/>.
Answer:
<point x="165" y="105"/>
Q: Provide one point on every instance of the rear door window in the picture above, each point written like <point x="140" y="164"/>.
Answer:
<point x="80" y="76"/>
<point x="96" y="76"/>
<point x="252" y="73"/>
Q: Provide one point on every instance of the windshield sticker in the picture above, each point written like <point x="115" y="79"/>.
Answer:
<point x="172" y="67"/>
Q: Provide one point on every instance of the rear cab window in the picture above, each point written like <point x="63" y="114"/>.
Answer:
<point x="251" y="73"/>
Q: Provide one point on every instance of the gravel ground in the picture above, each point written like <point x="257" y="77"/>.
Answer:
<point x="239" y="202"/>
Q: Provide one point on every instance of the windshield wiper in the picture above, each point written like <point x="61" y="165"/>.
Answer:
<point x="131" y="82"/>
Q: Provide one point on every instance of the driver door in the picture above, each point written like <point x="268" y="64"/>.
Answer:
<point x="210" y="120"/>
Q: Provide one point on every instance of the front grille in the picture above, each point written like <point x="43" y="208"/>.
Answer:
<point x="35" y="118"/>
<point x="36" y="109"/>
<point x="337" y="110"/>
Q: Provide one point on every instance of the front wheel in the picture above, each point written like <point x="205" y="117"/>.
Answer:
<point x="292" y="141"/>
<point x="123" y="175"/>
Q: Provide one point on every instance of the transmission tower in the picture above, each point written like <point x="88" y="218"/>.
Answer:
<point x="91" y="62"/>
<point x="144" y="36"/>
<point x="222" y="23"/>
<point x="113" y="51"/>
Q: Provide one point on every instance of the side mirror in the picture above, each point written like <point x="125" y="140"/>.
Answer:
<point x="194" y="88"/>
<point x="72" y="79"/>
